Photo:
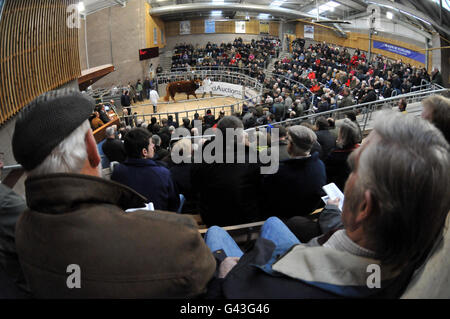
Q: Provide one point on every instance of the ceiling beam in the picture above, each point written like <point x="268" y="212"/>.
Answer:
<point x="208" y="6"/>
<point x="424" y="33"/>
<point x="123" y="3"/>
<point x="411" y="11"/>
<point x="352" y="4"/>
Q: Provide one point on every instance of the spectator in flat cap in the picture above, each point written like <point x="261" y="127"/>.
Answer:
<point x="296" y="188"/>
<point x="77" y="218"/>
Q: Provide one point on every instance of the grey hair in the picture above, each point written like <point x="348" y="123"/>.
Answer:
<point x="349" y="134"/>
<point x="405" y="165"/>
<point x="110" y="131"/>
<point x="156" y="140"/>
<point x="302" y="139"/>
<point x="68" y="157"/>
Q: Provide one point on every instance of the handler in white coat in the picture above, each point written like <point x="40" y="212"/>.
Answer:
<point x="154" y="97"/>
<point x="206" y="87"/>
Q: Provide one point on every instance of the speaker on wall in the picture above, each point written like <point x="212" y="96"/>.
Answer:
<point x="148" y="53"/>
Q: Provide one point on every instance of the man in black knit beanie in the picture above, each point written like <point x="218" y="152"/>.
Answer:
<point x="76" y="240"/>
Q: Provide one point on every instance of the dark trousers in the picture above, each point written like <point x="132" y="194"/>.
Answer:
<point x="154" y="108"/>
<point x="305" y="228"/>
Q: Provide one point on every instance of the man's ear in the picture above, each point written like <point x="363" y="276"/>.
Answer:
<point x="365" y="208"/>
<point x="91" y="148"/>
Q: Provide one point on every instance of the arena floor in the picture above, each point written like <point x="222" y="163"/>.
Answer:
<point x="182" y="104"/>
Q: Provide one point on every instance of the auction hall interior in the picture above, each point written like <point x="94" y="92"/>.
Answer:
<point x="224" y="149"/>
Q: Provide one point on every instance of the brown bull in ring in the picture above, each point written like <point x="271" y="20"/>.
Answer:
<point x="187" y="87"/>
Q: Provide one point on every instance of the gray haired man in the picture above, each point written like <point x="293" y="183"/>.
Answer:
<point x="76" y="241"/>
<point x="396" y="203"/>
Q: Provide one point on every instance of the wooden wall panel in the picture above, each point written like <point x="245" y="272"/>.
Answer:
<point x="38" y="51"/>
<point x="197" y="26"/>
<point x="150" y="24"/>
<point x="300" y="30"/>
<point x="274" y="28"/>
<point x="172" y="28"/>
<point x="225" y="27"/>
<point x="252" y="27"/>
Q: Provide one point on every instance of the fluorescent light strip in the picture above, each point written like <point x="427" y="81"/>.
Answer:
<point x="329" y="6"/>
<point x="398" y="10"/>
<point x="81" y="7"/>
<point x="276" y="3"/>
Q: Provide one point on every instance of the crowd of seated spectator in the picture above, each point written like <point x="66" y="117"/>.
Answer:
<point x="329" y="145"/>
<point x="250" y="58"/>
<point x="338" y="79"/>
<point x="138" y="251"/>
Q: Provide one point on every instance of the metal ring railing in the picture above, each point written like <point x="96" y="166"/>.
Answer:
<point x="219" y="76"/>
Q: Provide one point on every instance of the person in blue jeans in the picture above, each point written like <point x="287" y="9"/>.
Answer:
<point x="370" y="243"/>
<point x="217" y="239"/>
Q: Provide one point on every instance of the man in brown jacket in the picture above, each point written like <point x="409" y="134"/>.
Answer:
<point x="76" y="240"/>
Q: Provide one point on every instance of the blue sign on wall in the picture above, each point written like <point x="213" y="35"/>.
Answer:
<point x="420" y="57"/>
<point x="210" y="26"/>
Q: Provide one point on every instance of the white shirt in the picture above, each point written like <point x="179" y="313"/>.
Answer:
<point x="154" y="97"/>
<point x="206" y="85"/>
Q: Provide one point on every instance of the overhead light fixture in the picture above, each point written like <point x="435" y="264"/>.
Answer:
<point x="263" y="16"/>
<point x="218" y="1"/>
<point x="389" y="15"/>
<point x="216" y="13"/>
<point x="277" y="3"/>
<point x="399" y="10"/>
<point x="329" y="6"/>
<point x="81" y="7"/>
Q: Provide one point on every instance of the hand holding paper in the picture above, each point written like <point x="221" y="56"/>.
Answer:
<point x="333" y="194"/>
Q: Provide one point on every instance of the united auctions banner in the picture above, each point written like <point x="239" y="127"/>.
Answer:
<point x="420" y="57"/>
<point x="226" y="89"/>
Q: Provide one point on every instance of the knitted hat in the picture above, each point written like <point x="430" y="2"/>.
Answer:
<point x="46" y="122"/>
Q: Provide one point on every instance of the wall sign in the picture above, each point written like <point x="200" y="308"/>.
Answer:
<point x="309" y="31"/>
<point x="210" y="26"/>
<point x="240" y="26"/>
<point x="185" y="27"/>
<point x="420" y="57"/>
